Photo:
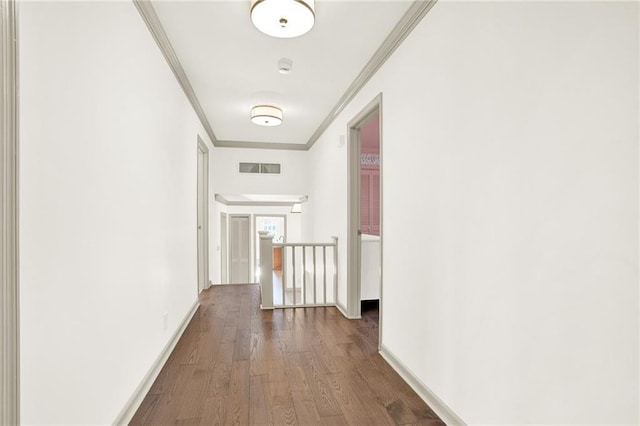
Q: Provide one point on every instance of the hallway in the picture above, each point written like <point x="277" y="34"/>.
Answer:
<point x="237" y="364"/>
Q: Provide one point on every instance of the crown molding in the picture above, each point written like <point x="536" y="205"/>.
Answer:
<point x="403" y="28"/>
<point x="411" y="18"/>
<point x="150" y="17"/>
<point x="9" y="300"/>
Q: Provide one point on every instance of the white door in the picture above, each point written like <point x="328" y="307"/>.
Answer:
<point x="239" y="247"/>
<point x="223" y="249"/>
<point x="203" y="172"/>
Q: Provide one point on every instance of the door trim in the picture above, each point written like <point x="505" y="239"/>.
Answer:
<point x="9" y="254"/>
<point x="202" y="147"/>
<point x="353" y="207"/>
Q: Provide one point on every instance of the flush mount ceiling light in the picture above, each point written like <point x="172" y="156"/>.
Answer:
<point x="283" y="18"/>
<point x="266" y="115"/>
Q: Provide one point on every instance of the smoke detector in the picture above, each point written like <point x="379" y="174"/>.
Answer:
<point x="285" y="65"/>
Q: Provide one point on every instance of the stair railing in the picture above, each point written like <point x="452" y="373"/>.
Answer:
<point x="308" y="278"/>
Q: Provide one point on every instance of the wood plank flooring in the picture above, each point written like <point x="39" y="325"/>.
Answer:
<point x="238" y="365"/>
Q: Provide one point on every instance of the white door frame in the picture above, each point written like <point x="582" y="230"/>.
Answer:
<point x="204" y="151"/>
<point x="353" y="208"/>
<point x="9" y="266"/>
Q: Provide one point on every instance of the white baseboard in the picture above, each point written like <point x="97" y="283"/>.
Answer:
<point x="437" y="405"/>
<point x="342" y="310"/>
<point x="136" y="399"/>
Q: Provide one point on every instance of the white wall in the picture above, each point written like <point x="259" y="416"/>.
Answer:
<point x="327" y="206"/>
<point x="228" y="180"/>
<point x="107" y="208"/>
<point x="510" y="202"/>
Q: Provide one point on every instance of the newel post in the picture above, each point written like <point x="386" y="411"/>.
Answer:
<point x="266" y="266"/>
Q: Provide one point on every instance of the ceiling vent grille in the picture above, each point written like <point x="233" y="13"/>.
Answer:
<point x="264" y="168"/>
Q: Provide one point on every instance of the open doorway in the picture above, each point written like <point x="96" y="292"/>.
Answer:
<point x="364" y="239"/>
<point x="370" y="218"/>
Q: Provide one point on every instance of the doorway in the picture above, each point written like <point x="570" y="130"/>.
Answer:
<point x="203" y="216"/>
<point x="365" y="229"/>
<point x="224" y="245"/>
<point x="240" y="249"/>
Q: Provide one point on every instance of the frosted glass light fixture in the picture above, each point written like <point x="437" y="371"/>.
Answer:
<point x="296" y="208"/>
<point x="266" y="115"/>
<point x="283" y="18"/>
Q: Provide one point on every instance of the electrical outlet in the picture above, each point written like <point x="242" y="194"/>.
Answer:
<point x="165" y="321"/>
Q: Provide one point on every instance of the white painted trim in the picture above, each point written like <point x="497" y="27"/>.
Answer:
<point x="9" y="252"/>
<point x="403" y="28"/>
<point x="437" y="405"/>
<point x="306" y="305"/>
<point x="343" y="311"/>
<point x="381" y="227"/>
<point x="148" y="13"/>
<point x="202" y="147"/>
<point x="261" y="145"/>
<point x="129" y="410"/>
<point x="353" y="220"/>
<point x="265" y="247"/>
<point x="242" y="284"/>
<point x="223" y="200"/>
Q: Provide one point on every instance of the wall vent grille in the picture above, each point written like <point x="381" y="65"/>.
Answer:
<point x="264" y="168"/>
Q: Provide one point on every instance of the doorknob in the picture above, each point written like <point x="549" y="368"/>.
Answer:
<point x="199" y="226"/>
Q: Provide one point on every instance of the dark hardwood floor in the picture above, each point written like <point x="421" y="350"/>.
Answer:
<point x="237" y="364"/>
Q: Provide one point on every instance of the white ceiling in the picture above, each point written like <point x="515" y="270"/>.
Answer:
<point x="233" y="66"/>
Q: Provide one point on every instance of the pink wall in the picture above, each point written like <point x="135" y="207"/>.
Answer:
<point x="370" y="178"/>
<point x="370" y="136"/>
